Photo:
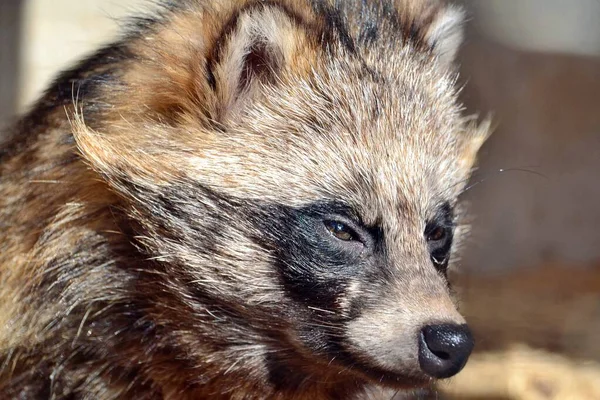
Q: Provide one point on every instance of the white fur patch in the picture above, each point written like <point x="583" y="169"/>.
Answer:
<point x="445" y="34"/>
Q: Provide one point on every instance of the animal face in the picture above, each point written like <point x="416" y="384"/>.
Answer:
<point x="359" y="215"/>
<point x="311" y="202"/>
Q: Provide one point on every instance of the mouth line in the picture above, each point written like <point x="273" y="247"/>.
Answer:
<point x="384" y="377"/>
<point x="392" y="379"/>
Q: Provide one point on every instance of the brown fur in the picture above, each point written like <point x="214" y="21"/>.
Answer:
<point x="140" y="200"/>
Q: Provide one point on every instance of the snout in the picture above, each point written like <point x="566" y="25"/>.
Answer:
<point x="444" y="349"/>
<point x="415" y="336"/>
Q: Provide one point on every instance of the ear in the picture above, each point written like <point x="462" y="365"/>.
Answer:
<point x="472" y="140"/>
<point x="445" y="34"/>
<point x="255" y="52"/>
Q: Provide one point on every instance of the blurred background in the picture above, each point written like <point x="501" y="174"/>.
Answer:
<point x="529" y="279"/>
<point x="530" y="276"/>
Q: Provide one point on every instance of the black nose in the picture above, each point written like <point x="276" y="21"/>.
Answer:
<point x="444" y="349"/>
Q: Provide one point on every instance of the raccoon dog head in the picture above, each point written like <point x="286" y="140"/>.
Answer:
<point x="296" y="176"/>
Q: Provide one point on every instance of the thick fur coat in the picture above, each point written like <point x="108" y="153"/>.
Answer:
<point x="238" y="199"/>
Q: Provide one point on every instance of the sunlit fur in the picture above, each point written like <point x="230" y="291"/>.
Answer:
<point x="146" y="200"/>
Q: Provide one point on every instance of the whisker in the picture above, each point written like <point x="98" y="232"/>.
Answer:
<point x="320" y="309"/>
<point x="501" y="171"/>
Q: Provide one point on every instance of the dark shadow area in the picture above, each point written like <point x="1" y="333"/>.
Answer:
<point x="10" y="28"/>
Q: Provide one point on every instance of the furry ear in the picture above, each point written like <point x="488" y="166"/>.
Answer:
<point x="474" y="137"/>
<point x="258" y="48"/>
<point x="445" y="33"/>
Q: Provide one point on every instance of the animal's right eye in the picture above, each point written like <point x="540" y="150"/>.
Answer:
<point x="437" y="234"/>
<point x="341" y="231"/>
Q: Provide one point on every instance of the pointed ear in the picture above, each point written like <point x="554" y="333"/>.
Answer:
<point x="474" y="137"/>
<point x="445" y="33"/>
<point x="258" y="47"/>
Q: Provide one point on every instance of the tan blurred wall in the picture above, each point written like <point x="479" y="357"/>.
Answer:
<point x="56" y="33"/>
<point x="38" y="38"/>
<point x="10" y="23"/>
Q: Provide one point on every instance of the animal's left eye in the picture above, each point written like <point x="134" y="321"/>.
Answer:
<point x="439" y="242"/>
<point x="341" y="231"/>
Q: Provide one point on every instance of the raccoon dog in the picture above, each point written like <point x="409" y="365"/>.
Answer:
<point x="240" y="199"/>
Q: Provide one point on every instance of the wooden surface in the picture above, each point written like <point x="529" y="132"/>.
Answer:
<point x="536" y="333"/>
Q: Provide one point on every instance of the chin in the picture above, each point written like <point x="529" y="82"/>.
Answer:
<point x="392" y="379"/>
<point x="397" y="380"/>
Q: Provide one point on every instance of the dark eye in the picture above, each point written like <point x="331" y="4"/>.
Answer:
<point x="341" y="231"/>
<point x="437" y="234"/>
<point x="439" y="242"/>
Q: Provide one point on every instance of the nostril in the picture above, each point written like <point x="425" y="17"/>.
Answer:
<point x="444" y="349"/>
<point x="440" y="354"/>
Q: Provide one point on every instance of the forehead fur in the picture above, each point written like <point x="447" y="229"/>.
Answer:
<point x="358" y="105"/>
<point x="344" y="131"/>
